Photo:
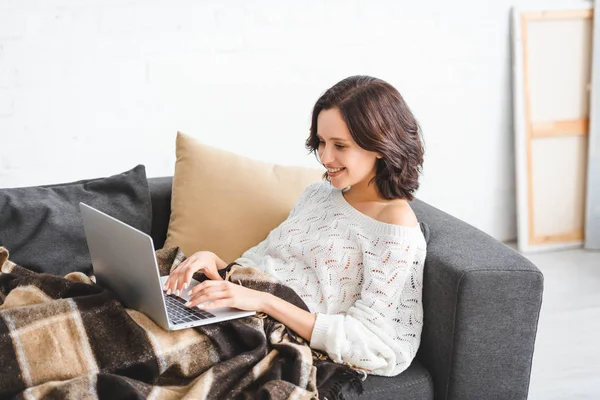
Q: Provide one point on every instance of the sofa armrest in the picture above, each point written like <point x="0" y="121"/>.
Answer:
<point x="160" y="194"/>
<point x="481" y="303"/>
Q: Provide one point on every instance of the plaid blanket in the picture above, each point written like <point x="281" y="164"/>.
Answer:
<point x="69" y="338"/>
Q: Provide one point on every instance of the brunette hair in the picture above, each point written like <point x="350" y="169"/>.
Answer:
<point x="380" y="121"/>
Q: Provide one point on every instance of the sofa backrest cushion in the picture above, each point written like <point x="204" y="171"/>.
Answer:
<point x="41" y="226"/>
<point x="226" y="203"/>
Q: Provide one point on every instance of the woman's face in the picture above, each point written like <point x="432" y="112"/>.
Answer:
<point x="338" y="150"/>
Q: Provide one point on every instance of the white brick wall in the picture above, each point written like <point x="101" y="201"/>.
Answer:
<point x="91" y="88"/>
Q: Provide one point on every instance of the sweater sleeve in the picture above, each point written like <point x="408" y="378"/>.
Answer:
<point x="381" y="331"/>
<point x="253" y="256"/>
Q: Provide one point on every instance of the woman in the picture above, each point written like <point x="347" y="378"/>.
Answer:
<point x="351" y="247"/>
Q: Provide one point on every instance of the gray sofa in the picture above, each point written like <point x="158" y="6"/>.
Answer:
<point x="481" y="307"/>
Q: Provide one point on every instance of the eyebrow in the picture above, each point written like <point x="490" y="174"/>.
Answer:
<point x="334" y="138"/>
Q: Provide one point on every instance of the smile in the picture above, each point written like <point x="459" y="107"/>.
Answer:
<point x="334" y="170"/>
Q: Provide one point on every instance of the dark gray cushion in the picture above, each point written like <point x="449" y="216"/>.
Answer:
<point x="160" y="193"/>
<point x="41" y="226"/>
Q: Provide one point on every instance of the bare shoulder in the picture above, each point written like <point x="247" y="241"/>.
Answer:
<point x="398" y="214"/>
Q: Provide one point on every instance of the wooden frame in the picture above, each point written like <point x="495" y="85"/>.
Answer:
<point x="526" y="130"/>
<point x="576" y="127"/>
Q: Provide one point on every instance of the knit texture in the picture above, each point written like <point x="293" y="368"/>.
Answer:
<point x="363" y="278"/>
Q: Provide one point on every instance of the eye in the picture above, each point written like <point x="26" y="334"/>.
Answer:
<point x="337" y="146"/>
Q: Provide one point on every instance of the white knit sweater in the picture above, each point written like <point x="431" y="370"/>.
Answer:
<point x="363" y="278"/>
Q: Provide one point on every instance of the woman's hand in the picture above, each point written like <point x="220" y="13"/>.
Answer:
<point x="226" y="294"/>
<point x="180" y="277"/>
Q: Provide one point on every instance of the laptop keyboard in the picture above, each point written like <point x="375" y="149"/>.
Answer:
<point x="179" y="313"/>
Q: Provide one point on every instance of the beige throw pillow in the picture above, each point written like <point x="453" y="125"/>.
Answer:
<point x="226" y="203"/>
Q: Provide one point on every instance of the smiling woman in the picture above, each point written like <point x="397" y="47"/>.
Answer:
<point x="363" y="126"/>
<point x="351" y="247"/>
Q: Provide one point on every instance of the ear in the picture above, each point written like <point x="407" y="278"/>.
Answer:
<point x="379" y="157"/>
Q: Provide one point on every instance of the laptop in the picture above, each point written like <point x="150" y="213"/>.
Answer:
<point x="124" y="261"/>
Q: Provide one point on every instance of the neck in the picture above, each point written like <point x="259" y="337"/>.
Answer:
<point x="363" y="191"/>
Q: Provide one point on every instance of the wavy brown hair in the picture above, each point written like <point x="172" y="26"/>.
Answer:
<point x="380" y="121"/>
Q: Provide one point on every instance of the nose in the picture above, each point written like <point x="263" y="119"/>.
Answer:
<point x="324" y="155"/>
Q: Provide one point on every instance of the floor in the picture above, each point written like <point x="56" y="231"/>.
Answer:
<point x="566" y="361"/>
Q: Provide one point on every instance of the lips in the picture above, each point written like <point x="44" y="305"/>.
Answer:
<point x="334" y="174"/>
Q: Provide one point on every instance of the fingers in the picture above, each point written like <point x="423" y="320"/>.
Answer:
<point x="174" y="279"/>
<point x="208" y="295"/>
<point x="208" y="291"/>
<point x="212" y="274"/>
<point x="178" y="280"/>
<point x="184" y="264"/>
<point x="185" y="279"/>
<point x="170" y="282"/>
<point x="181" y="276"/>
<point x="226" y="302"/>
<point x="206" y="284"/>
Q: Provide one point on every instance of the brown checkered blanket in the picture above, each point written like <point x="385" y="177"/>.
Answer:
<point x="69" y="338"/>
